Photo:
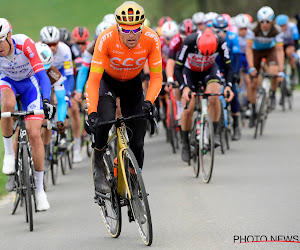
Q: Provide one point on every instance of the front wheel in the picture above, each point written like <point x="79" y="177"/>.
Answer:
<point x="206" y="149"/>
<point x="138" y="197"/>
<point x="28" y="191"/>
<point x="110" y="208"/>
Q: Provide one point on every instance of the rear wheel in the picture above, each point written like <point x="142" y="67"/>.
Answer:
<point x="206" y="152"/>
<point x="194" y="141"/>
<point x="222" y="130"/>
<point x="63" y="162"/>
<point x="54" y="169"/>
<point x="138" y="200"/>
<point x="283" y="94"/>
<point x="260" y="116"/>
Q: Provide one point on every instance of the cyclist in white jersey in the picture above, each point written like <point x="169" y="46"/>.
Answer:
<point x="23" y="73"/>
<point x="291" y="38"/>
<point x="63" y="62"/>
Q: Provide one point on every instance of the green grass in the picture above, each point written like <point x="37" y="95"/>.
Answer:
<point x="3" y="177"/>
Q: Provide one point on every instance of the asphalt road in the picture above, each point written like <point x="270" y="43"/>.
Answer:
<point x="254" y="191"/>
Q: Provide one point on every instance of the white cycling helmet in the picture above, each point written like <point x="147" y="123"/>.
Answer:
<point x="241" y="21"/>
<point x="198" y="17"/>
<point x="5" y="27"/>
<point x="169" y="29"/>
<point x="45" y="54"/>
<point x="210" y="16"/>
<point x="265" y="13"/>
<point x="49" y="34"/>
<point x="101" y="26"/>
<point x="109" y="18"/>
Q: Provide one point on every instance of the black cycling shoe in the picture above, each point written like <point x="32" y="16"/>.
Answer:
<point x="10" y="184"/>
<point x="217" y="140"/>
<point x="236" y="133"/>
<point x="99" y="173"/>
<point x="185" y="153"/>
<point x="252" y="120"/>
<point x="273" y="103"/>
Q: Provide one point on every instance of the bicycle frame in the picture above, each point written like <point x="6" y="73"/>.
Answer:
<point x="122" y="184"/>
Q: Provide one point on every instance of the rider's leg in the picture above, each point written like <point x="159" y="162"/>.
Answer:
<point x="76" y="125"/>
<point x="8" y="103"/>
<point x="273" y="69"/>
<point x="214" y="108"/>
<point x="235" y="108"/>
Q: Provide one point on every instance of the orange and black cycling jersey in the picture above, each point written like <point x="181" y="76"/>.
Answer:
<point x="123" y="64"/>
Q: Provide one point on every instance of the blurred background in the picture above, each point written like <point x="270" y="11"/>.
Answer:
<point x="29" y="17"/>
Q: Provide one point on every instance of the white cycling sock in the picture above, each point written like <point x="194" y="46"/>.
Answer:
<point x="8" y="145"/>
<point x="77" y="144"/>
<point x="39" y="175"/>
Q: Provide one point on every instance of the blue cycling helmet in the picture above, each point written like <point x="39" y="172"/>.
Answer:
<point x="282" y="19"/>
<point x="220" y="22"/>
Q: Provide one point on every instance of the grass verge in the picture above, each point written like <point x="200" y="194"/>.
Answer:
<point x="3" y="177"/>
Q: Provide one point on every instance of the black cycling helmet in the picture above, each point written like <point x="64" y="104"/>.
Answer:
<point x="65" y="35"/>
<point x="187" y="27"/>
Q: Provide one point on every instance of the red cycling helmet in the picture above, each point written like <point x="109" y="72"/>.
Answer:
<point x="164" y="19"/>
<point x="187" y="27"/>
<point x="80" y="34"/>
<point x="207" y="43"/>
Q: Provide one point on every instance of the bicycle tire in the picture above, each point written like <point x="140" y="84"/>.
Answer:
<point x="222" y="129"/>
<point x="170" y="128"/>
<point x="88" y="148"/>
<point x="70" y="147"/>
<point x="283" y="89"/>
<point x="18" y="194"/>
<point x="260" y="114"/>
<point x="139" y="200"/>
<point x="195" y="149"/>
<point x="110" y="209"/>
<point x="54" y="170"/>
<point x="28" y="191"/>
<point x="63" y="162"/>
<point x="227" y="137"/>
<point x="47" y="169"/>
<point x="206" y="165"/>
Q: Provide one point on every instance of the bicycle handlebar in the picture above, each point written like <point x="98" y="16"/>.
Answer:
<point x="206" y="95"/>
<point x="21" y="113"/>
<point x="121" y="119"/>
<point x="173" y="84"/>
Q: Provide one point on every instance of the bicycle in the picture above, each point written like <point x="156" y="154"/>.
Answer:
<point x="202" y="137"/>
<point x="57" y="157"/>
<point x="224" y="123"/>
<point x="172" y="125"/>
<point x="24" y="176"/>
<point x="287" y="87"/>
<point x="127" y="186"/>
<point x="263" y="103"/>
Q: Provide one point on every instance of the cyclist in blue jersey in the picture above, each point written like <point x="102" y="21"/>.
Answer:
<point x="220" y="25"/>
<point x="242" y="23"/>
<point x="291" y="39"/>
<point x="265" y="40"/>
<point x="63" y="62"/>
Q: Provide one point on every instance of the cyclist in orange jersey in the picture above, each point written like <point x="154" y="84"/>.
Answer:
<point x="119" y="57"/>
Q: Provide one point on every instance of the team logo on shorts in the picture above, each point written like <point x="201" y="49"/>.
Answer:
<point x="31" y="55"/>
